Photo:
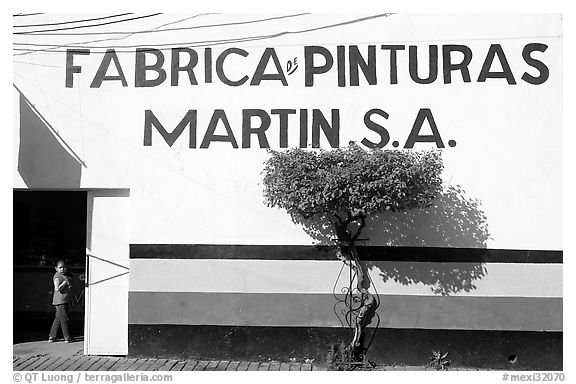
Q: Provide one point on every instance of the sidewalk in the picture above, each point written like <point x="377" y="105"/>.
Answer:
<point x="100" y="363"/>
<point x="60" y="356"/>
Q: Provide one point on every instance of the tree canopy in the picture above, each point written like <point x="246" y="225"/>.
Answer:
<point x="351" y="180"/>
<point x="351" y="183"/>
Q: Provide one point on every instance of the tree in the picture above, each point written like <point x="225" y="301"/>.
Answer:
<point x="343" y="187"/>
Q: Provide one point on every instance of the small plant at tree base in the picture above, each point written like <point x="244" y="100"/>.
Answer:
<point x="341" y="188"/>
<point x="439" y="361"/>
<point x="341" y="358"/>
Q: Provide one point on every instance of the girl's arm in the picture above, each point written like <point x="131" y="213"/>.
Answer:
<point x="58" y="286"/>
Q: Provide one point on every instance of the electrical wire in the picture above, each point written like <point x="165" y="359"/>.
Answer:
<point x="168" y="29"/>
<point x="87" y="26"/>
<point x="36" y="64"/>
<point x="116" y="47"/>
<point x="208" y="43"/>
<point x="205" y="43"/>
<point x="123" y="37"/>
<point x="26" y="14"/>
<point x="71" y="22"/>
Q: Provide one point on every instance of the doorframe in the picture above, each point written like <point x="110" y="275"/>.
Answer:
<point x="99" y="192"/>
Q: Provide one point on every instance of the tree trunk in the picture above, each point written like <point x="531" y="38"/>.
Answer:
<point x="368" y="302"/>
<point x="367" y="308"/>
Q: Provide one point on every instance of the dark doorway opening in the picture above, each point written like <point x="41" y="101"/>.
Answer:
<point x="47" y="226"/>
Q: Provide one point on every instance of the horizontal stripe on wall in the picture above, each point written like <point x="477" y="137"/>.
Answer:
<point x="308" y="276"/>
<point x="540" y="351"/>
<point x="318" y="310"/>
<point x="372" y="253"/>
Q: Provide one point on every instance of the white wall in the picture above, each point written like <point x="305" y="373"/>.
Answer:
<point x="508" y="153"/>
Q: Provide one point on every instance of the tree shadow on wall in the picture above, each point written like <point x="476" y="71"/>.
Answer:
<point x="439" y="246"/>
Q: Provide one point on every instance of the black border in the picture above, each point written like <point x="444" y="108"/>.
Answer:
<point x="368" y="253"/>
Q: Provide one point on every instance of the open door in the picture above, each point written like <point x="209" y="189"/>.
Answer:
<point x="107" y="271"/>
<point x="48" y="225"/>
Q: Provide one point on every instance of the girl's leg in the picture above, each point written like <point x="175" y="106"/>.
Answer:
<point x="61" y="312"/>
<point x="55" y="326"/>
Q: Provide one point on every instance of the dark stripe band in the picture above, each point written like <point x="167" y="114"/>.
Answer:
<point x="324" y="310"/>
<point x="505" y="350"/>
<point x="368" y="253"/>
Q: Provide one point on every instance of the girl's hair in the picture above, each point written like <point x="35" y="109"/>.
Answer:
<point x="60" y="261"/>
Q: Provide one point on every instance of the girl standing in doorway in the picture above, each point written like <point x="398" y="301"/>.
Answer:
<point x="60" y="300"/>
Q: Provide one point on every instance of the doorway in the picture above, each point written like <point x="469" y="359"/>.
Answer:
<point x="47" y="226"/>
<point x="89" y="229"/>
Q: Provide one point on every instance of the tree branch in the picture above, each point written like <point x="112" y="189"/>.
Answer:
<point x="362" y="225"/>
<point x="339" y="219"/>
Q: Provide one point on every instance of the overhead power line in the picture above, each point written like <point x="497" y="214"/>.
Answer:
<point x="86" y="26"/>
<point x="36" y="64"/>
<point x="71" y="22"/>
<point x="26" y="14"/>
<point x="127" y="35"/>
<point x="210" y="43"/>
<point x="207" y="43"/>
<point x="189" y="43"/>
<point x="166" y="29"/>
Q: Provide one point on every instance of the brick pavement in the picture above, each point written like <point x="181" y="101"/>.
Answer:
<point x="78" y="362"/>
<point x="105" y="363"/>
<point x="44" y="356"/>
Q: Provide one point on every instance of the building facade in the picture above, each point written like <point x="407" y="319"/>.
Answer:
<point x="153" y="145"/>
